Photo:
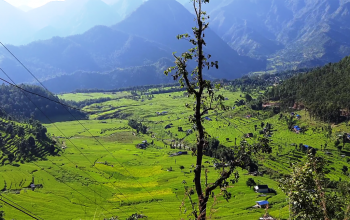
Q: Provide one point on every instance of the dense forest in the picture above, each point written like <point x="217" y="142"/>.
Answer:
<point x="23" y="105"/>
<point x="323" y="91"/>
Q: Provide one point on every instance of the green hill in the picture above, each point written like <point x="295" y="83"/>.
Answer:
<point x="324" y="91"/>
<point x="23" y="105"/>
<point x="23" y="142"/>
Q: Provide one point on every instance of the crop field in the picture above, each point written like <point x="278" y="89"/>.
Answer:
<point x="100" y="173"/>
<point x="78" y="97"/>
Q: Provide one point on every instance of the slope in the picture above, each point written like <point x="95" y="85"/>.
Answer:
<point x="290" y="33"/>
<point x="138" y="43"/>
<point x="324" y="91"/>
<point x="23" y="142"/>
<point x="22" y="106"/>
<point x="164" y="24"/>
<point x="13" y="23"/>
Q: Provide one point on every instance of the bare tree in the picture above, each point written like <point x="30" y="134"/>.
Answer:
<point x="202" y="91"/>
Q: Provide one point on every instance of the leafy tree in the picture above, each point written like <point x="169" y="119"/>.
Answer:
<point x="248" y="97"/>
<point x="140" y="128"/>
<point x="205" y="99"/>
<point x="250" y="182"/>
<point x="20" y="131"/>
<point x="2" y="215"/>
<point x="345" y="170"/>
<point x="182" y="167"/>
<point x="307" y="191"/>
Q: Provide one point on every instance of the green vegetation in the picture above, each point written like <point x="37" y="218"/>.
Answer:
<point x="323" y="91"/>
<point x="29" y="103"/>
<point x="20" y="143"/>
<point x="131" y="180"/>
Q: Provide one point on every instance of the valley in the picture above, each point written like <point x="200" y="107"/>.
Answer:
<point x="100" y="173"/>
<point x="170" y="109"/>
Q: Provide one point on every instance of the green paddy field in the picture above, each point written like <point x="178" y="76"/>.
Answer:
<point x="100" y="173"/>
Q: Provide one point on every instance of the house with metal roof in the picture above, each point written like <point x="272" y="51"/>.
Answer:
<point x="262" y="204"/>
<point x="261" y="188"/>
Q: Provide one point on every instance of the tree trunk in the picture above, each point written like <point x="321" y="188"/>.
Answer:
<point x="201" y="141"/>
<point x="198" y="170"/>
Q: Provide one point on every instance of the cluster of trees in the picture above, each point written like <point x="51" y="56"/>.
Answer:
<point x="20" y="104"/>
<point x="138" y="126"/>
<point x="312" y="195"/>
<point x="324" y="91"/>
<point x="216" y="150"/>
<point x="24" y="142"/>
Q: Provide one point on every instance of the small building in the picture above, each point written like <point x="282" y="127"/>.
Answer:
<point x="267" y="217"/>
<point x="182" y="153"/>
<point x="32" y="186"/>
<point x="207" y="118"/>
<point x="262" y="204"/>
<point x="261" y="188"/>
<point x="249" y="116"/>
<point x="297" y="129"/>
<point x="249" y="135"/>
<point x="298" y="116"/>
<point x="141" y="146"/>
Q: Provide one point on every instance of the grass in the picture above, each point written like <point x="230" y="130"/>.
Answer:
<point x="101" y="173"/>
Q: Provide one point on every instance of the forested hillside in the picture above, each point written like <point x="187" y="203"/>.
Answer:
<point x="24" y="105"/>
<point x="23" y="142"/>
<point x="324" y="91"/>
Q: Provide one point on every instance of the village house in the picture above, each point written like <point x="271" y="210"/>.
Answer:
<point x="266" y="217"/>
<point x="208" y="119"/>
<point x="297" y="129"/>
<point x="249" y="135"/>
<point x="168" y="126"/>
<point x="261" y="188"/>
<point x="262" y="204"/>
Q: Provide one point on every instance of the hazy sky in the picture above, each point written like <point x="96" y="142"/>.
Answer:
<point x="38" y="3"/>
<point x="30" y="3"/>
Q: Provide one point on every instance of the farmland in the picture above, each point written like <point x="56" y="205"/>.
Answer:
<point x="100" y="173"/>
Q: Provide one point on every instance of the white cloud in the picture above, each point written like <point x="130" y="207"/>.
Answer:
<point x="30" y="3"/>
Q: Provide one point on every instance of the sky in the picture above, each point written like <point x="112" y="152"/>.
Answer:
<point x="30" y="3"/>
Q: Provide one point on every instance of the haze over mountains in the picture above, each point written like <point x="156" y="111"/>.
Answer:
<point x="60" y="18"/>
<point x="142" y="41"/>
<point x="133" y="49"/>
<point x="290" y="33"/>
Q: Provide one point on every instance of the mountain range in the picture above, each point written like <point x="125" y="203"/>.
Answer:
<point x="141" y="44"/>
<point x="117" y="42"/>
<point x="59" y="18"/>
<point x="289" y="33"/>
